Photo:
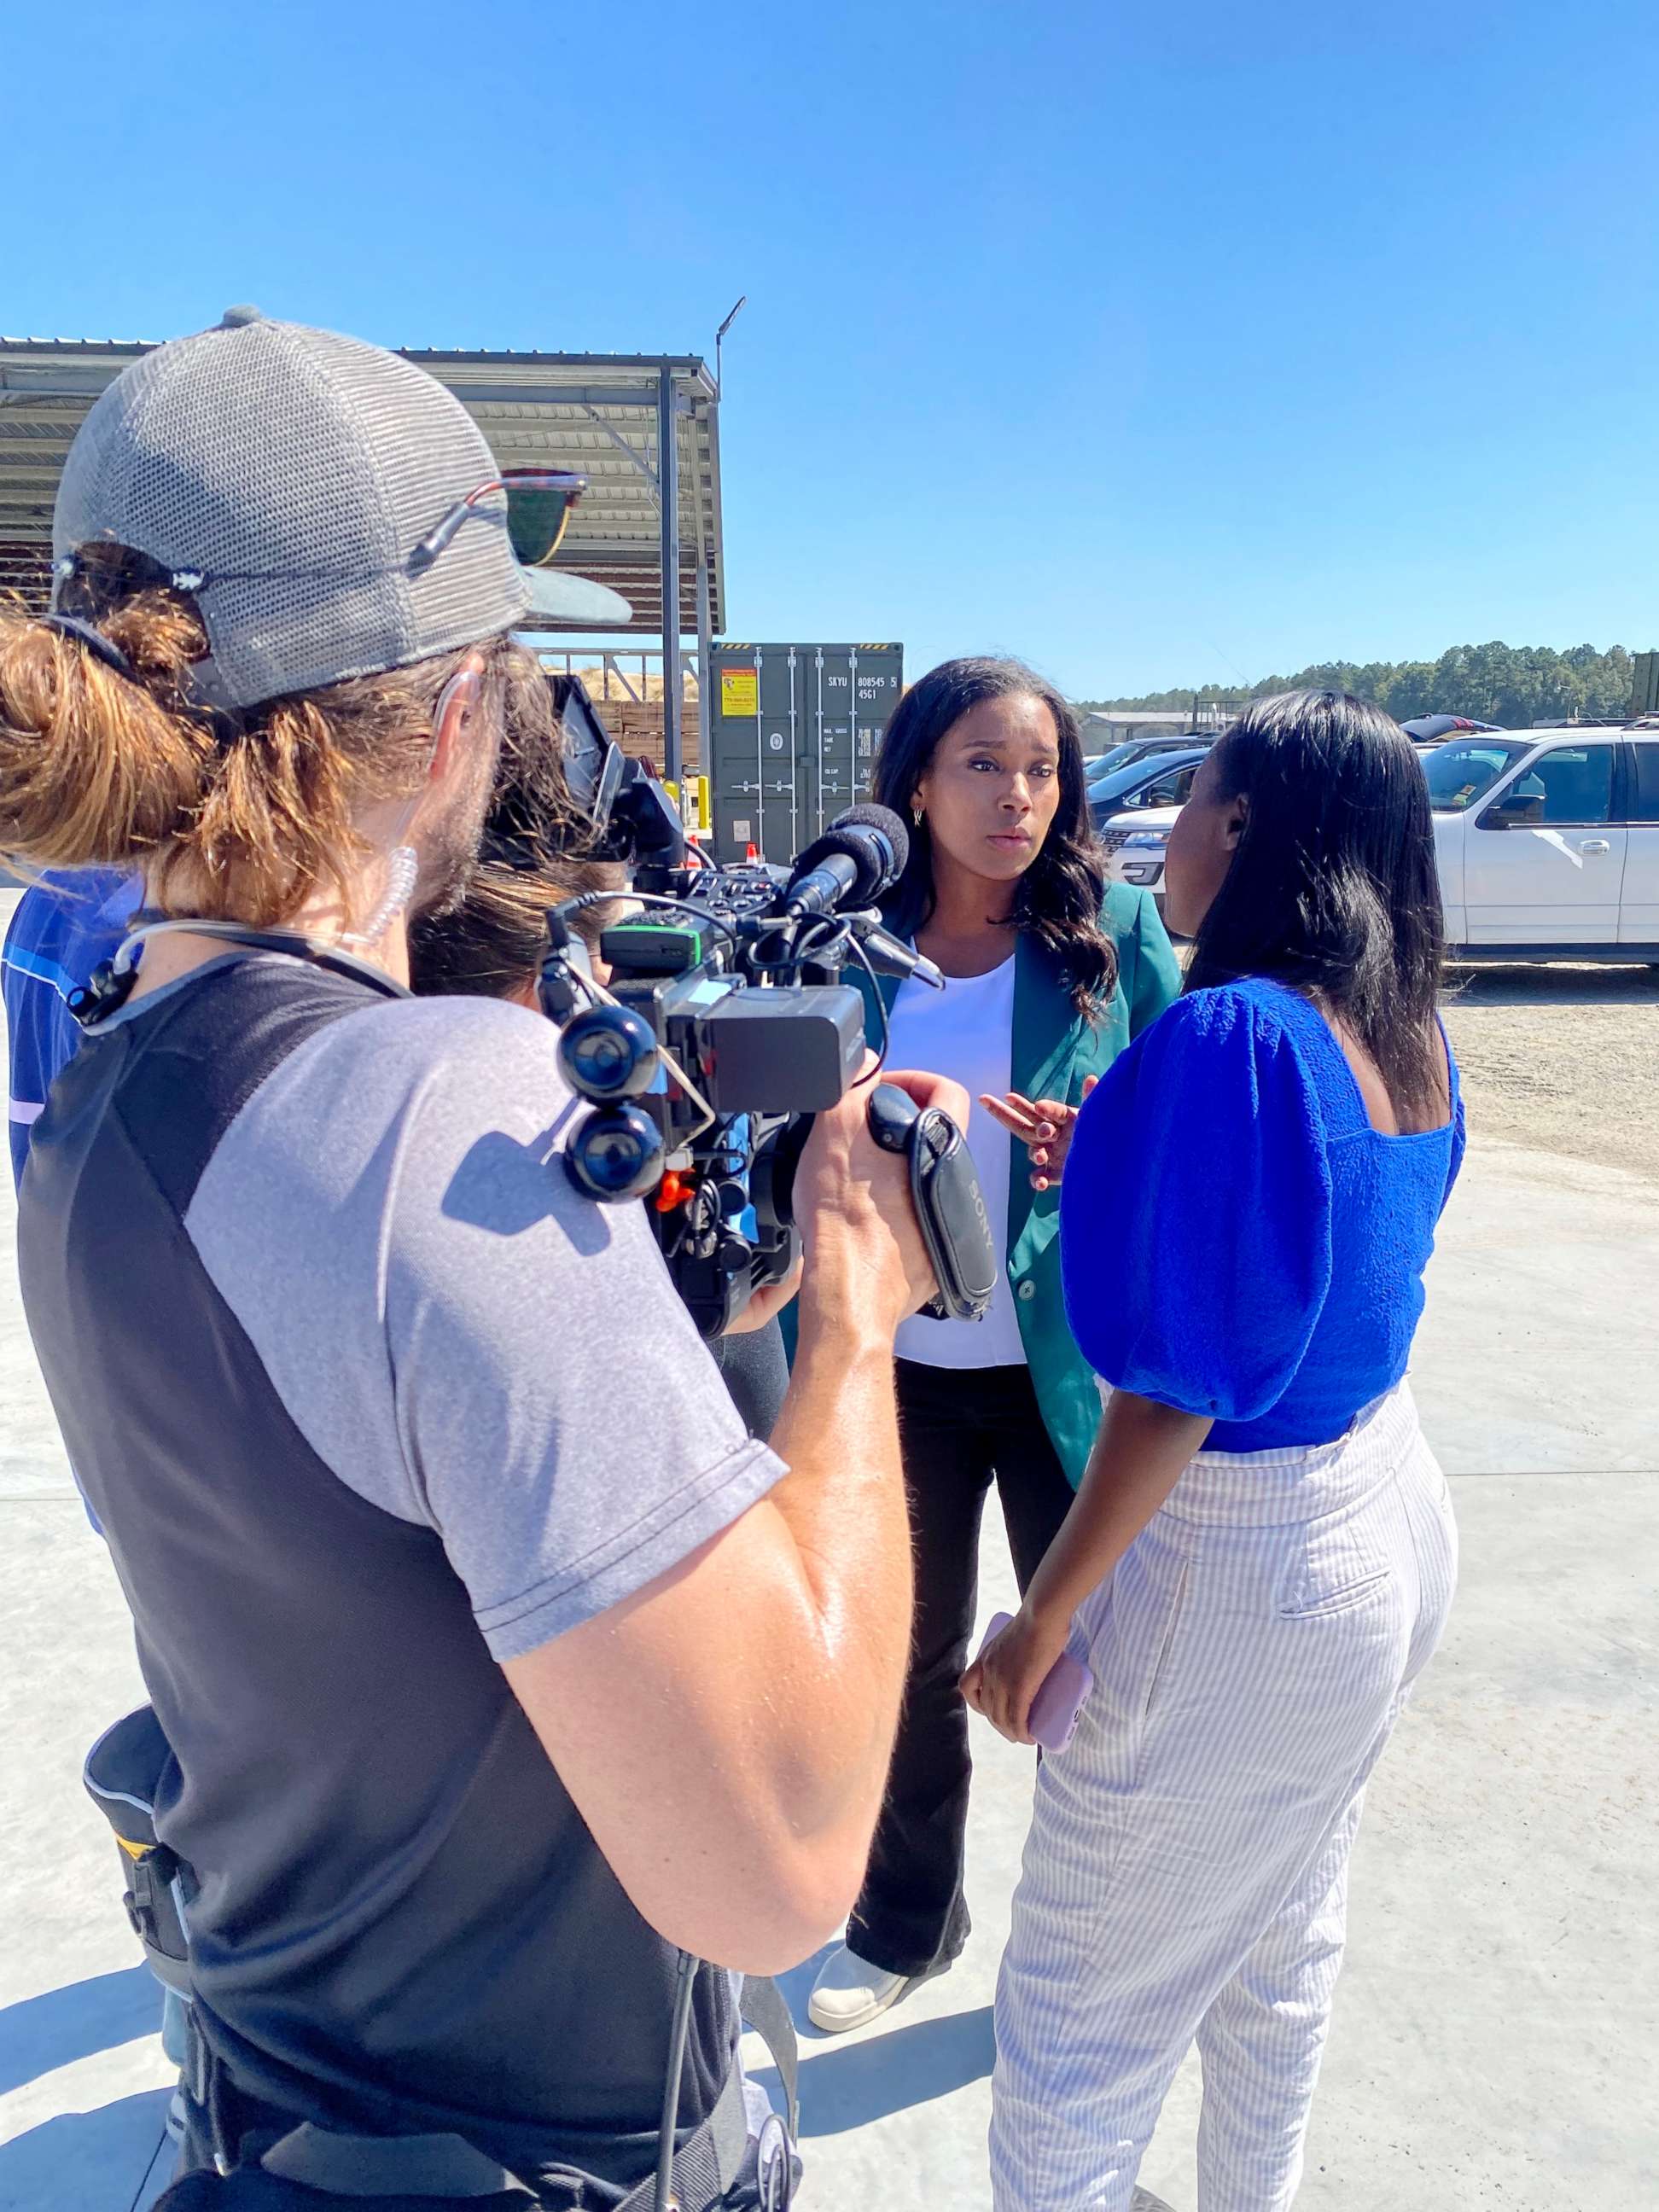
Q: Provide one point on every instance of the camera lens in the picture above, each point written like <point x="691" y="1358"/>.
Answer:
<point x="615" y="1153"/>
<point x="608" y="1052"/>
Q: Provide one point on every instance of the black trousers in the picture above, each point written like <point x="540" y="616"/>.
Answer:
<point x="755" y="1371"/>
<point x="960" y="1428"/>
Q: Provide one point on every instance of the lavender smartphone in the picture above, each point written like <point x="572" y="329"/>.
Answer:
<point x="1058" y="1706"/>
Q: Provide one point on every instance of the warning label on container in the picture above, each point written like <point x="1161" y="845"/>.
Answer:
<point x="739" y="691"/>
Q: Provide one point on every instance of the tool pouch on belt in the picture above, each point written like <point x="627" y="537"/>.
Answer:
<point x="123" y="1774"/>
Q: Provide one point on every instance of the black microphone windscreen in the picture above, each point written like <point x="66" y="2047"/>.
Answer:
<point x="868" y="816"/>
<point x="872" y="840"/>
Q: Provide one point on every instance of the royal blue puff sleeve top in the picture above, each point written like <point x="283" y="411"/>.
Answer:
<point x="1236" y="1239"/>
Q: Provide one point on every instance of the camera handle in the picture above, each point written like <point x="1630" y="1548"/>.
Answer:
<point x="945" y="1190"/>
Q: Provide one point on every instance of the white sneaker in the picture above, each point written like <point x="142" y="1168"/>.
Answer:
<point x="850" y="1993"/>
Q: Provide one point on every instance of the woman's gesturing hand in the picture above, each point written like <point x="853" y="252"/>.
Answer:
<point x="1004" y="1680"/>
<point x="1045" y="1125"/>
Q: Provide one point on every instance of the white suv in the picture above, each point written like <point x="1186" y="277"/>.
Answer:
<point x="1132" y="809"/>
<point x="1548" y="842"/>
<point x="1140" y="858"/>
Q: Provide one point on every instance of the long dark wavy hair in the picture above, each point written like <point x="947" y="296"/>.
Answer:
<point x="1058" y="899"/>
<point x="1333" y="887"/>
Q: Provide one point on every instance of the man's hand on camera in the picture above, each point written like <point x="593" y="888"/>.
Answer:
<point x="767" y="1303"/>
<point x="852" y="1203"/>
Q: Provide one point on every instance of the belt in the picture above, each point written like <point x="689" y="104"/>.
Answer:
<point x="705" y="2167"/>
<point x="702" y="2173"/>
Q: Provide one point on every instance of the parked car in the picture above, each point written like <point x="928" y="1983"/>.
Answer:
<point x="1429" y="731"/>
<point x="1138" y="749"/>
<point x="1548" y="842"/>
<point x="1132" y="809"/>
<point x="1140" y="858"/>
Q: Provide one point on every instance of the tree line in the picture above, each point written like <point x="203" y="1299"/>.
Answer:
<point x="1515" y="686"/>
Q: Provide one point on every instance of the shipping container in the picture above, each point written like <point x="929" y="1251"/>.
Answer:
<point x="792" y="733"/>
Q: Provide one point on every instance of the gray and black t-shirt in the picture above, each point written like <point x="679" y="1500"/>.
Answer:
<point x="369" y="1398"/>
<point x="458" y="1334"/>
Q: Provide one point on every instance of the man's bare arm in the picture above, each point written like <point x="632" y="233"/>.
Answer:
<point x="726" y="1732"/>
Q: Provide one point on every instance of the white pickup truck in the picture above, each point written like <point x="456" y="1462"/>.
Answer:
<point x="1548" y="842"/>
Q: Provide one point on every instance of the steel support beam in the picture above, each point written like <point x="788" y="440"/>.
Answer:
<point x="668" y="489"/>
<point x="622" y="447"/>
<point x="86" y="379"/>
<point x="558" y="395"/>
<point x="705" y="663"/>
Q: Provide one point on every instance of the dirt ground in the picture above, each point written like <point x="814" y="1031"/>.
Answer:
<point x="1564" y="1058"/>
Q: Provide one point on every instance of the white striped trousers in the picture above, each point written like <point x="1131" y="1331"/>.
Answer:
<point x="1186" y="1875"/>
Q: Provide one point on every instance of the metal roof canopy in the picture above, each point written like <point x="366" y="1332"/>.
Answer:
<point x="612" y="416"/>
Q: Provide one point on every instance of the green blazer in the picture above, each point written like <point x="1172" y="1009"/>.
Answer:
<point x="1054" y="1049"/>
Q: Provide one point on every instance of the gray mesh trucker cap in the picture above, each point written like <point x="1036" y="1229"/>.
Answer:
<point x="294" y="472"/>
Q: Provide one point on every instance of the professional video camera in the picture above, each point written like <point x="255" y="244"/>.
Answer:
<point x="725" y="1026"/>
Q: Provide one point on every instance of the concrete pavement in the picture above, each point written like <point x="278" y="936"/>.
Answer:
<point x="1495" y="2038"/>
<point x="1496" y="2041"/>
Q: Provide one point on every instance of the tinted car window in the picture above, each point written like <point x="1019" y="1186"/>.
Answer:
<point x="1122" y="757"/>
<point x="1168" y="790"/>
<point x="1142" y="752"/>
<point x="1114" y="790"/>
<point x="1644" y="787"/>
<point x="1572" y="783"/>
<point x="1465" y="770"/>
<point x="1103" y="764"/>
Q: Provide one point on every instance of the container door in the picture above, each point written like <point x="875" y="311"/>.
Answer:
<point x="829" y="768"/>
<point x="877" y="682"/>
<point x="753" y="724"/>
<point x="794" y="730"/>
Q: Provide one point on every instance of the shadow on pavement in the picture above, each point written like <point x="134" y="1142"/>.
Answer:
<point x="60" y="2026"/>
<point x="844" y="2086"/>
<point x="96" y="2161"/>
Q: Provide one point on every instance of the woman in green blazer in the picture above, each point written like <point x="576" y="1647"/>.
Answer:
<point x="1049" y="973"/>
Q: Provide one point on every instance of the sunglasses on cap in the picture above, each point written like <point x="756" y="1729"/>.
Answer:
<point x="539" y="506"/>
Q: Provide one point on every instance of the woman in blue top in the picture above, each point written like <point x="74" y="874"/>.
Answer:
<point x="1262" y="1553"/>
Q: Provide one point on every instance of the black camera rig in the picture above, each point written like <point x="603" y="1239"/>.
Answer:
<point x="727" y="1024"/>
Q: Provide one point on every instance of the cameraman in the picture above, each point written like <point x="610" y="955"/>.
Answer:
<point x="492" y="944"/>
<point x="497" y="1662"/>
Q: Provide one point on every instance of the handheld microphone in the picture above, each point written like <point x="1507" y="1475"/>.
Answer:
<point x="861" y="854"/>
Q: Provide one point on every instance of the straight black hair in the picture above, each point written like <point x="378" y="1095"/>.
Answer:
<point x="1333" y="887"/>
<point x="1058" y="899"/>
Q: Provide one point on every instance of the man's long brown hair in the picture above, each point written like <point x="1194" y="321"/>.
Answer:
<point x="240" y="817"/>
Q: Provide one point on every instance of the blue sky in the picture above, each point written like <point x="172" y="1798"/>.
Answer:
<point x="1162" y="344"/>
